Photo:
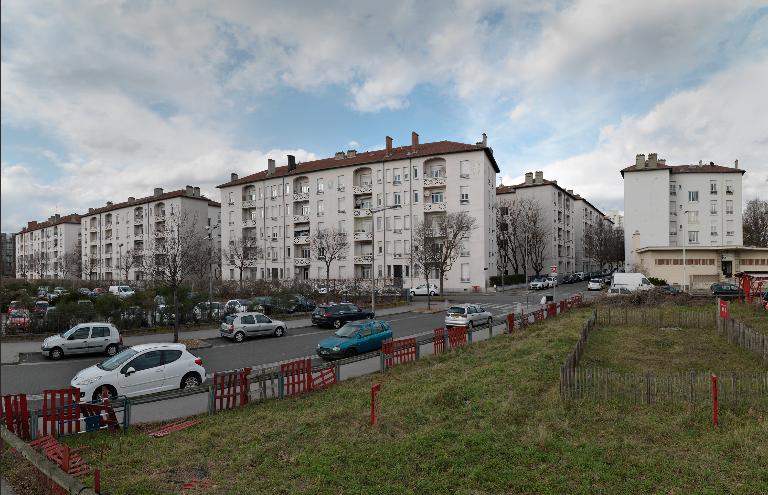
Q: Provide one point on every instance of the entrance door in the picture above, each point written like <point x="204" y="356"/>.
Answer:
<point x="727" y="269"/>
<point x="398" y="273"/>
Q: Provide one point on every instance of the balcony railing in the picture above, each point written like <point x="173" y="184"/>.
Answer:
<point x="251" y="203"/>
<point x="251" y="262"/>
<point x="363" y="236"/>
<point x="361" y="189"/>
<point x="364" y="259"/>
<point x="361" y="212"/>
<point x="300" y="218"/>
<point x="301" y="196"/>
<point x="301" y="239"/>
<point x="434" y="206"/>
<point x="302" y="261"/>
<point x="434" y="181"/>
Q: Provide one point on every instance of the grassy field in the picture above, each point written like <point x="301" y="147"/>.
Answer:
<point x="636" y="348"/>
<point x="486" y="419"/>
<point x="756" y="318"/>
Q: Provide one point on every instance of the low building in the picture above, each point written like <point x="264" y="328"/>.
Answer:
<point x="48" y="250"/>
<point x="7" y="255"/>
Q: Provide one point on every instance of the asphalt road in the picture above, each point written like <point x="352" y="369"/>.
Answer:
<point x="34" y="377"/>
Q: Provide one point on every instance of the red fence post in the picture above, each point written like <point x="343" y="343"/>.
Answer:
<point x="714" y="399"/>
<point x="439" y="340"/>
<point x="375" y="391"/>
<point x="97" y="481"/>
<point x="510" y="322"/>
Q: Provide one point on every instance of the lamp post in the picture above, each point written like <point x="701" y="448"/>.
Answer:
<point x="378" y="209"/>
<point x="209" y="237"/>
<point x="685" y="268"/>
<point x="120" y="262"/>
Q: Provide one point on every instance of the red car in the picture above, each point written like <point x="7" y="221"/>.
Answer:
<point x="18" y="319"/>
<point x="99" y="291"/>
<point x="14" y="306"/>
<point x="40" y="308"/>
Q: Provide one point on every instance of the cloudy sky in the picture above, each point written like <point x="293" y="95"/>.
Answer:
<point x="105" y="100"/>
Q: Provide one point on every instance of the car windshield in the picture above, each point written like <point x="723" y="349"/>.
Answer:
<point x="116" y="360"/>
<point x="69" y="332"/>
<point x="348" y="330"/>
<point x="594" y="281"/>
<point x="456" y="309"/>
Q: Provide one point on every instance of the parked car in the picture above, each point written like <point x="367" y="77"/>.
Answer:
<point x="618" y="291"/>
<point x="424" y="289"/>
<point x="241" y="325"/>
<point x="467" y="315"/>
<point x="84" y="291"/>
<point x="14" y="305"/>
<point x="632" y="281"/>
<point x="355" y="338"/>
<point x="725" y="289"/>
<point x="18" y="319"/>
<point x="553" y="281"/>
<point x="99" y="291"/>
<point x="669" y="290"/>
<point x="236" y="306"/>
<point x="43" y="291"/>
<point x="580" y="276"/>
<point x="539" y="283"/>
<point x="595" y="284"/>
<point x="201" y="310"/>
<point x="140" y="370"/>
<point x="121" y="291"/>
<point x="94" y="337"/>
<point x="338" y="314"/>
<point x="40" y="308"/>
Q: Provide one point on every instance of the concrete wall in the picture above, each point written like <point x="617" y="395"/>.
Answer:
<point x="646" y="210"/>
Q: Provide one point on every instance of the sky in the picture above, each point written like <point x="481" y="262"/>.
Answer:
<point x="105" y="100"/>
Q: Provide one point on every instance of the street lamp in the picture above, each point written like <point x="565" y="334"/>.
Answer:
<point x="685" y="274"/>
<point x="378" y="209"/>
<point x="209" y="229"/>
<point x="120" y="263"/>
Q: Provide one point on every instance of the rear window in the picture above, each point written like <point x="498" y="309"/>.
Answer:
<point x="595" y="281"/>
<point x="456" y="309"/>
<point x="229" y="319"/>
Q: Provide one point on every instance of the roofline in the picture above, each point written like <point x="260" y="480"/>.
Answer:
<point x="178" y="193"/>
<point x="574" y="196"/>
<point x="702" y="248"/>
<point x="46" y="224"/>
<point x="672" y="170"/>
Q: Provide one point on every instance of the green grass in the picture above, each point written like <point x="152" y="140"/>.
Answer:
<point x="486" y="419"/>
<point x="636" y="348"/>
<point x="751" y="315"/>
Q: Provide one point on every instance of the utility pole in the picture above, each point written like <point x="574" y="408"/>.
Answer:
<point x="375" y="210"/>
<point x="209" y="237"/>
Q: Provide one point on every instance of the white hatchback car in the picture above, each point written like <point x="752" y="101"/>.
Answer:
<point x="467" y="315"/>
<point x="595" y="284"/>
<point x="84" y="338"/>
<point x="142" y="369"/>
<point x="424" y="289"/>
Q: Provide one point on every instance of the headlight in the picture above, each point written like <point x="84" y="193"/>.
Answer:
<point x="336" y="349"/>
<point x="318" y="346"/>
<point x="88" y="381"/>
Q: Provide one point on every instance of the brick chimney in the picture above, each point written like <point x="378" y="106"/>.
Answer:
<point x="196" y="192"/>
<point x="736" y="164"/>
<point x="189" y="190"/>
<point x="529" y="177"/>
<point x="652" y="160"/>
<point x="232" y="177"/>
<point x="640" y="160"/>
<point x="131" y="199"/>
<point x="414" y="142"/>
<point x="539" y="178"/>
<point x="270" y="166"/>
<point x="291" y="162"/>
<point x="389" y="145"/>
<point x="158" y="191"/>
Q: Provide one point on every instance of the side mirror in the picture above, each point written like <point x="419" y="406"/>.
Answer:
<point x="130" y="371"/>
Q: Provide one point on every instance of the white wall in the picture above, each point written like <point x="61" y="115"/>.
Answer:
<point x="646" y="210"/>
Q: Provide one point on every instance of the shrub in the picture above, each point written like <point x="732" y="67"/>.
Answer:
<point x="657" y="281"/>
<point x="514" y="278"/>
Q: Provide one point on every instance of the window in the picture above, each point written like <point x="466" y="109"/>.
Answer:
<point x="397" y="176"/>
<point x="388" y="222"/>
<point x="407" y="220"/>
<point x="99" y="332"/>
<point x="464" y="198"/>
<point x="275" y="191"/>
<point x="398" y="224"/>
<point x="340" y="183"/>
<point x="729" y="207"/>
<point x="378" y="224"/>
<point x="693" y="196"/>
<point x="673" y="208"/>
<point x="148" y="360"/>
<point x="378" y="176"/>
<point x="712" y="187"/>
<point x="170" y="356"/>
<point x="713" y="207"/>
<point x="389" y="175"/>
<point x="693" y="237"/>
<point x="464" y="169"/>
<point x="305" y="210"/>
<point x="80" y="333"/>
<point x="343" y="226"/>
<point x="248" y="320"/>
<point x="380" y="246"/>
<point x="397" y="198"/>
<point x="320" y="186"/>
<point x="341" y="205"/>
<point x="465" y="272"/>
<point x="713" y="229"/>
<point x="415" y="196"/>
<point x="415" y="173"/>
<point x="437" y="197"/>
<point x="378" y="199"/>
<point x="262" y="319"/>
<point x="728" y="187"/>
<point x="693" y="217"/>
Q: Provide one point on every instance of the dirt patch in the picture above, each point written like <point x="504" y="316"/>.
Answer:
<point x="195" y="343"/>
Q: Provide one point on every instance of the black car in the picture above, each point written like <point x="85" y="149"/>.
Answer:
<point x="670" y="290"/>
<point x="338" y="314"/>
<point x="725" y="289"/>
<point x="295" y="304"/>
<point x="569" y="279"/>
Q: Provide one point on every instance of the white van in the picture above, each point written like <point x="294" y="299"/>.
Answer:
<point x="631" y="281"/>
<point x="121" y="291"/>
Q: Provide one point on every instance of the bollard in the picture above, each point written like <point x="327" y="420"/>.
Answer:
<point x="714" y="400"/>
<point x="382" y="361"/>
<point x="281" y="384"/>
<point x="510" y="322"/>
<point x="375" y="391"/>
<point x="338" y="372"/>
<point x="469" y="331"/>
<point x="211" y="399"/>
<point x="97" y="481"/>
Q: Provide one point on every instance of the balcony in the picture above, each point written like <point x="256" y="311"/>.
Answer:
<point x="361" y="212"/>
<point x="251" y="203"/>
<point x="361" y="189"/>
<point x="159" y="233"/>
<point x="251" y="262"/>
<point x="138" y="220"/>
<point x="434" y="181"/>
<point x="363" y="236"/>
<point x="364" y="259"/>
<point x="434" y="206"/>
<point x="302" y="261"/>
<point x="301" y="196"/>
<point x="301" y="239"/>
<point x="300" y="218"/>
<point x="398" y="255"/>
<point x="160" y="217"/>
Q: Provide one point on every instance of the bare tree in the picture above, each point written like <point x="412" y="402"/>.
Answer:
<point x="450" y="231"/>
<point x="535" y="235"/>
<point x="170" y="258"/>
<point x="71" y="263"/>
<point x="425" y="253"/>
<point x="23" y="265"/>
<point x="242" y="250"/>
<point x="40" y="264"/>
<point x="126" y="260"/>
<point x="329" y="245"/>
<point x="755" y="223"/>
<point x="601" y="242"/>
<point x="510" y="229"/>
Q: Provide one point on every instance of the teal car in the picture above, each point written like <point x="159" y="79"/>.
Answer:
<point x="356" y="337"/>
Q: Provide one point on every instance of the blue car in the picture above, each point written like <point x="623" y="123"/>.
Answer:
<point x="356" y="337"/>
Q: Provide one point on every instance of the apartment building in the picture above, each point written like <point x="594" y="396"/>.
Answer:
<point x="616" y="218"/>
<point x="565" y="214"/>
<point x="42" y="248"/>
<point x="675" y="208"/>
<point x="280" y="208"/>
<point x="7" y="255"/>
<point x="587" y="215"/>
<point x="120" y="234"/>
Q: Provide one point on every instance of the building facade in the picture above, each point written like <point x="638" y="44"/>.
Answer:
<point x="696" y="206"/>
<point x="48" y="250"/>
<point x="616" y="218"/>
<point x="279" y="210"/>
<point x="117" y="237"/>
<point x="565" y="215"/>
<point x="7" y="255"/>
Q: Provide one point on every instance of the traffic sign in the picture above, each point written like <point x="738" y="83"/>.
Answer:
<point x="553" y="268"/>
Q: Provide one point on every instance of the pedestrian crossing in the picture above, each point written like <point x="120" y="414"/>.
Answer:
<point x="497" y="308"/>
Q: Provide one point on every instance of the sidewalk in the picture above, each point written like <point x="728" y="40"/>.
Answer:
<point x="9" y="351"/>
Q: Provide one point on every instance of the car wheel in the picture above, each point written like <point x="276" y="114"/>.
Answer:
<point x="239" y="337"/>
<point x="190" y="380"/>
<point x="96" y="397"/>
<point x="431" y="293"/>
<point x="413" y="293"/>
<point x="56" y="353"/>
<point x="279" y="332"/>
<point x="370" y="316"/>
<point x="350" y="352"/>
<point x="337" y="324"/>
<point x="111" y="350"/>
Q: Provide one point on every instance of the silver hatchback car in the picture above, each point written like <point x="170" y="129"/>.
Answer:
<point x="94" y="337"/>
<point x="467" y="315"/>
<point x="241" y="325"/>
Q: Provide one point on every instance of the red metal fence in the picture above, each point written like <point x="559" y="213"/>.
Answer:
<point x="399" y="351"/>
<point x="324" y="378"/>
<point x="61" y="411"/>
<point x="230" y="389"/>
<point x="457" y="336"/>
<point x="297" y="376"/>
<point x="439" y="341"/>
<point x="16" y="415"/>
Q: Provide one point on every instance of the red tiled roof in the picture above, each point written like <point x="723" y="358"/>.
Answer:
<point x="709" y="168"/>
<point x="544" y="182"/>
<point x="399" y="153"/>
<point x="214" y="203"/>
<point x="149" y="199"/>
<point x="72" y="218"/>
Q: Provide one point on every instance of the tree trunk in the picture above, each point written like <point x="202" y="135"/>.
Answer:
<point x="241" y="278"/>
<point x="327" y="281"/>
<point x="442" y="276"/>
<point x="175" y="314"/>
<point x="429" y="296"/>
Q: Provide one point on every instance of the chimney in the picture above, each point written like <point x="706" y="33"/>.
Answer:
<point x="131" y="199"/>
<point x="291" y="163"/>
<point x="736" y="164"/>
<point x="485" y="139"/>
<point x="158" y="191"/>
<point x="51" y="218"/>
<point x="389" y="145"/>
<point x="529" y="177"/>
<point x="90" y="210"/>
<point x="351" y="153"/>
<point x="414" y="142"/>
<point x="196" y="192"/>
<point x="232" y="177"/>
<point x="569" y="191"/>
<point x="539" y="178"/>
<point x="711" y="164"/>
<point x="652" y="160"/>
<point x="189" y="190"/>
<point x="270" y="166"/>
<point x="339" y="155"/>
<point x="662" y="161"/>
<point x="109" y="203"/>
<point x="57" y="217"/>
<point x="640" y="160"/>
<point x="701" y="163"/>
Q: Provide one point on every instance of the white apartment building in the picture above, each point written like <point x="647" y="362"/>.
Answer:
<point x="692" y="206"/>
<point x="616" y="218"/>
<point x="281" y="207"/>
<point x="565" y="213"/>
<point x="112" y="231"/>
<point x="41" y="247"/>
